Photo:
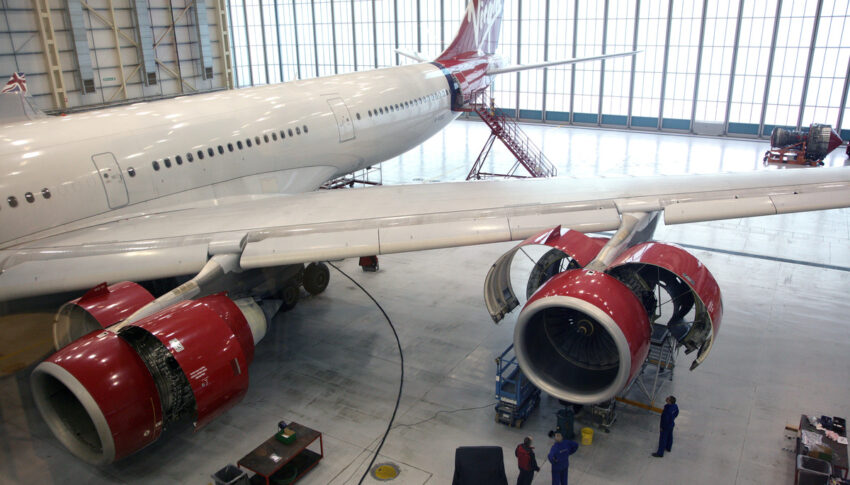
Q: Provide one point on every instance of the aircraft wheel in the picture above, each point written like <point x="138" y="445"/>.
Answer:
<point x="316" y="278"/>
<point x="290" y="294"/>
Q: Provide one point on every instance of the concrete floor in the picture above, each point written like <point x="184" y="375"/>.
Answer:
<point x="332" y="364"/>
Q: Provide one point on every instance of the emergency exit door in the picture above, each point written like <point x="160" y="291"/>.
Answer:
<point x="113" y="181"/>
<point x="343" y="119"/>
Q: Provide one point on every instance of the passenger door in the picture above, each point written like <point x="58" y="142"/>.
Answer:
<point x="343" y="119"/>
<point x="112" y="178"/>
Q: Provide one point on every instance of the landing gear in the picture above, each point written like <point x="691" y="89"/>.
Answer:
<point x="289" y="296"/>
<point x="316" y="278"/>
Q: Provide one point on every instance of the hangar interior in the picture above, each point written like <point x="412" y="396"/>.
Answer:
<point x="714" y="79"/>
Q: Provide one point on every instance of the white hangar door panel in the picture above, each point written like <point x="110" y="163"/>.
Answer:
<point x="343" y="119"/>
<point x="112" y="179"/>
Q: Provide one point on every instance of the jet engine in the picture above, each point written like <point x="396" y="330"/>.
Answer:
<point x="583" y="335"/>
<point x="113" y="391"/>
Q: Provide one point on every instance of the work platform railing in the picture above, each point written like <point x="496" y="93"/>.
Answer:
<point x="508" y="131"/>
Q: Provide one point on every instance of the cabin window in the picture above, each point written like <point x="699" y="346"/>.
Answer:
<point x="382" y="110"/>
<point x="257" y="140"/>
<point x="297" y="130"/>
<point x="46" y="193"/>
<point x="239" y="144"/>
<point x="179" y="160"/>
<point x="220" y="150"/>
<point x="200" y="154"/>
<point x="130" y="171"/>
<point x="13" y="202"/>
<point x="274" y="136"/>
<point x="358" y="116"/>
<point x="230" y="147"/>
<point x="266" y="138"/>
<point x="370" y="113"/>
<point x="290" y="131"/>
<point x="248" y="142"/>
<point x="189" y="157"/>
<point x="305" y="129"/>
<point x="210" y="152"/>
<point x="282" y="135"/>
<point x="167" y="162"/>
<point x="30" y="198"/>
<point x="155" y="165"/>
<point x="397" y="108"/>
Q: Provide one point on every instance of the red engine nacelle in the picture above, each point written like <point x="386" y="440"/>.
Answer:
<point x="99" y="308"/>
<point x="582" y="336"/>
<point x="112" y="392"/>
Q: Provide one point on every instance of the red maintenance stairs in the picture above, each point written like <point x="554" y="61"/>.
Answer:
<point x="508" y="131"/>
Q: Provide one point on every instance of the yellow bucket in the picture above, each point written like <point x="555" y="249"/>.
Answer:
<point x="586" y="436"/>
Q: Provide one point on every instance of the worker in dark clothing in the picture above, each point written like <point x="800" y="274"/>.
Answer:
<point x="668" y="418"/>
<point x="559" y="456"/>
<point x="526" y="461"/>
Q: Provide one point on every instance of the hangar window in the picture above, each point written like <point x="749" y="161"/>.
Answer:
<point x="210" y="152"/>
<point x="274" y="136"/>
<point x="30" y="198"/>
<point x="282" y="135"/>
<point x="230" y="147"/>
<point x="179" y="160"/>
<point x="155" y="165"/>
<point x="266" y="138"/>
<point x="358" y="116"/>
<point x="200" y="154"/>
<point x="13" y="202"/>
<point x="239" y="144"/>
<point x="290" y="131"/>
<point x="46" y="193"/>
<point x="167" y="162"/>
<point x="220" y="150"/>
<point x="130" y="171"/>
<point x="297" y="130"/>
<point x="189" y="157"/>
<point x="257" y="140"/>
<point x="248" y="142"/>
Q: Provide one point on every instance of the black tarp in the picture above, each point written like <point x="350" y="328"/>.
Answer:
<point x="479" y="465"/>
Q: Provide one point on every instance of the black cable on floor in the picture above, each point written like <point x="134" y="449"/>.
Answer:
<point x="401" y="378"/>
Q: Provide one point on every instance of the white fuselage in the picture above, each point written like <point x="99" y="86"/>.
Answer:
<point x="62" y="173"/>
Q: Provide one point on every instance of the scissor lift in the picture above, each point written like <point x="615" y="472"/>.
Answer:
<point x="517" y="396"/>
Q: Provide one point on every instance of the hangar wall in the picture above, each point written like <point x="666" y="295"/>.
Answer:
<point x="731" y="67"/>
<point x="111" y="51"/>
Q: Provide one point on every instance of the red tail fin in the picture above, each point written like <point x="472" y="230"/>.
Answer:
<point x="479" y="31"/>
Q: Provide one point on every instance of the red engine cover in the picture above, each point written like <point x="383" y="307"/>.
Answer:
<point x="599" y="301"/>
<point x="100" y="307"/>
<point x="211" y="341"/>
<point x="700" y="280"/>
<point x="100" y="399"/>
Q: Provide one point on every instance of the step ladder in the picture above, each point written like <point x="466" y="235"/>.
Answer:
<point x="508" y="131"/>
<point x="656" y="369"/>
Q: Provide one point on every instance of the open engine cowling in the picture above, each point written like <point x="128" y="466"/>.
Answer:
<point x="582" y="336"/>
<point x="99" y="308"/>
<point x="112" y="392"/>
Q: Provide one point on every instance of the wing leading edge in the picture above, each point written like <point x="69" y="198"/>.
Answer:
<point x="349" y="223"/>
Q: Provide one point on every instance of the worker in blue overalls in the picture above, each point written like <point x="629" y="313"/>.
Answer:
<point x="559" y="456"/>
<point x="668" y="421"/>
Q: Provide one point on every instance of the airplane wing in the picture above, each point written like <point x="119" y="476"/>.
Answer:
<point x="324" y="225"/>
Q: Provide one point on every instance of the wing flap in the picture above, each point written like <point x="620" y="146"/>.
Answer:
<point x="40" y="274"/>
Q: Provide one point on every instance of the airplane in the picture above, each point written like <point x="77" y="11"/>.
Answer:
<point x="222" y="186"/>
